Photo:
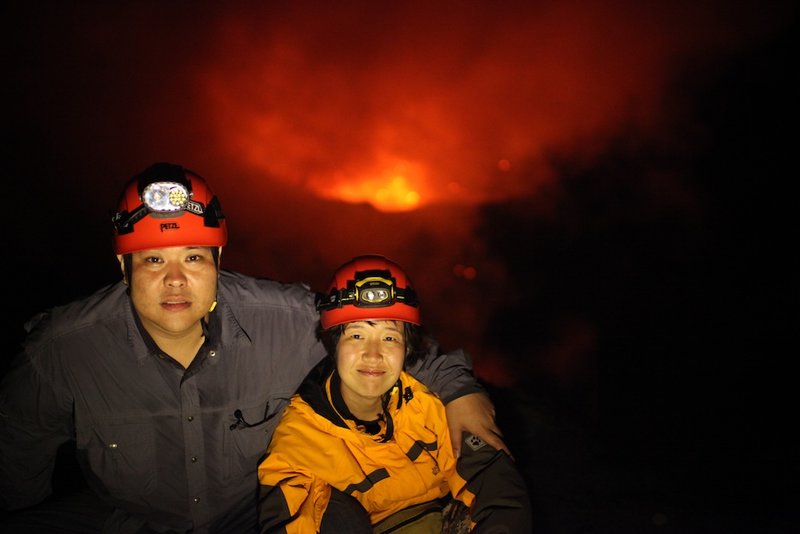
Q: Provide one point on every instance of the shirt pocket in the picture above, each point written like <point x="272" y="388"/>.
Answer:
<point x="246" y="438"/>
<point x="121" y="456"/>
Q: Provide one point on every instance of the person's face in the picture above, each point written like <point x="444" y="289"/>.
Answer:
<point x="173" y="288"/>
<point x="369" y="358"/>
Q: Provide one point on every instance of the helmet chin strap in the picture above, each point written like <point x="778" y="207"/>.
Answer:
<point x="127" y="269"/>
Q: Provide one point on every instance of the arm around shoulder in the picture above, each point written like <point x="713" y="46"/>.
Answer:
<point x="469" y="408"/>
<point x="449" y="375"/>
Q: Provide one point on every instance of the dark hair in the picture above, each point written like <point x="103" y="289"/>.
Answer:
<point x="418" y="341"/>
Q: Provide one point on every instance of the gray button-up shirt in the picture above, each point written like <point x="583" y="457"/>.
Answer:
<point x="170" y="447"/>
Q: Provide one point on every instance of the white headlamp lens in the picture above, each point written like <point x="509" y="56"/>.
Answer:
<point x="165" y="196"/>
<point x="374" y="296"/>
<point x="374" y="291"/>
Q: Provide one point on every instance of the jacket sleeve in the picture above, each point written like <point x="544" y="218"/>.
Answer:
<point x="495" y="491"/>
<point x="448" y="375"/>
<point x="484" y="479"/>
<point x="35" y="419"/>
<point x="290" y="500"/>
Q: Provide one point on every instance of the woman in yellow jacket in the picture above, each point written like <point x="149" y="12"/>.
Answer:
<point x="373" y="432"/>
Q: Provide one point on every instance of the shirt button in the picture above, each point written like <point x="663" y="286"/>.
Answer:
<point x="212" y="353"/>
<point x="194" y="459"/>
<point x="190" y="418"/>
<point x="196" y="500"/>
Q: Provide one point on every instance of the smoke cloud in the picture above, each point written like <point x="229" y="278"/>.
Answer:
<point x="330" y="130"/>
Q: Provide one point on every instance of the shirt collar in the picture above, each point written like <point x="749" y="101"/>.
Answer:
<point x="211" y="332"/>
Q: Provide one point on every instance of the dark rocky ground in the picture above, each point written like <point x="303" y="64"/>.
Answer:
<point x="587" y="478"/>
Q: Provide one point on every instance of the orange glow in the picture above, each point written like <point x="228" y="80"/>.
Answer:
<point x="477" y="101"/>
<point x="394" y="195"/>
<point x="396" y="189"/>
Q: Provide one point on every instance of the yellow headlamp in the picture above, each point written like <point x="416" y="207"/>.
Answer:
<point x="374" y="291"/>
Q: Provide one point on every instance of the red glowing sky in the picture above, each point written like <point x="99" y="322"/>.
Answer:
<point x="410" y="105"/>
<point x="330" y="130"/>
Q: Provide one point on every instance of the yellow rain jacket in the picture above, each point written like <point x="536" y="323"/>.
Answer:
<point x="409" y="460"/>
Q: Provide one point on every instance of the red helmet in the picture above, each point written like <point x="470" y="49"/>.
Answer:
<point x="168" y="206"/>
<point x="369" y="288"/>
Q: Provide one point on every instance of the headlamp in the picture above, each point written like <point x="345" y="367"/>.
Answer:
<point x="374" y="291"/>
<point x="165" y="197"/>
<point x="370" y="289"/>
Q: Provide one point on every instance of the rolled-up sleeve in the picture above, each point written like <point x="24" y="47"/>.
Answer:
<point x="448" y="375"/>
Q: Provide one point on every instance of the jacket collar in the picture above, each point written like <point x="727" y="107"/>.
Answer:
<point x="385" y="424"/>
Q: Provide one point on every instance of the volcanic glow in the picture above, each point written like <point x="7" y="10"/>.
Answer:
<point x="398" y="188"/>
<point x="419" y="106"/>
<point x="393" y="194"/>
<point x="337" y="102"/>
